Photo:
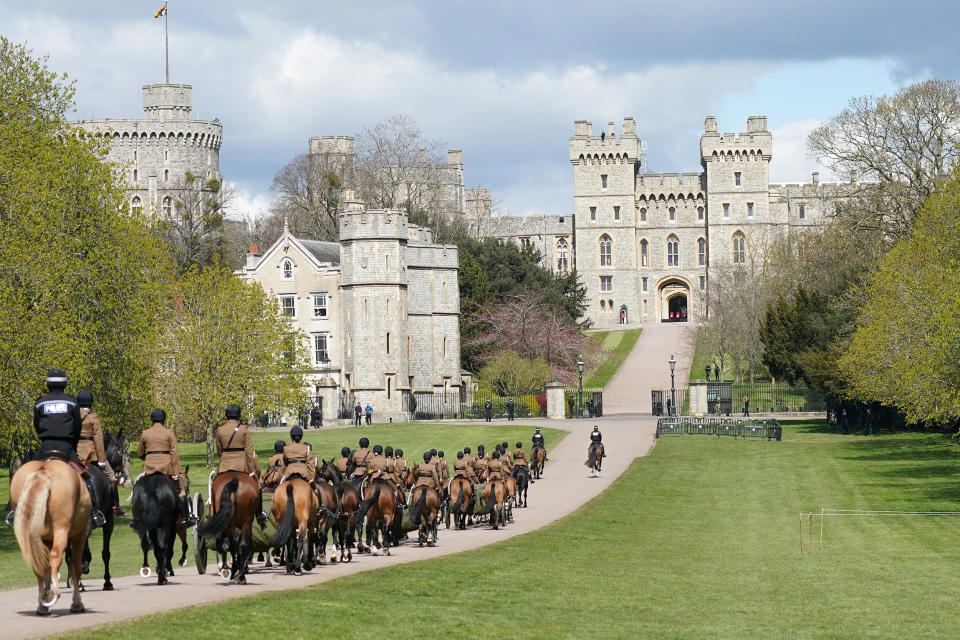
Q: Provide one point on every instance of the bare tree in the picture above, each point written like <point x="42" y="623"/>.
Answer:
<point x="307" y="194"/>
<point x="191" y="217"/>
<point x="902" y="145"/>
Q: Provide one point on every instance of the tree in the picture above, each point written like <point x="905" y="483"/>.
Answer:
<point x="225" y="342"/>
<point x="507" y="374"/>
<point x="307" y="193"/>
<point x="903" y="146"/>
<point x="193" y="225"/>
<point x="81" y="278"/>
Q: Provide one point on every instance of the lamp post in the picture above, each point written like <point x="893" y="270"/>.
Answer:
<point x="673" y="394"/>
<point x="580" y="370"/>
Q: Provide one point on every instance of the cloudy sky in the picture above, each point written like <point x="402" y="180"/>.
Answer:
<point x="504" y="81"/>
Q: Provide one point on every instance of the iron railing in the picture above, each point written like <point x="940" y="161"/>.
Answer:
<point x="768" y="397"/>
<point x="768" y="429"/>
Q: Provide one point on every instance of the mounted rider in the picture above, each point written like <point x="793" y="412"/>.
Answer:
<point x="494" y="468"/>
<point x="377" y="468"/>
<point x="400" y="468"/>
<point x="158" y="450"/>
<point x="275" y="467"/>
<point x="596" y="438"/>
<point x="480" y="462"/>
<point x="90" y="447"/>
<point x="57" y="421"/>
<point x="443" y="468"/>
<point x="506" y="461"/>
<point x="538" y="439"/>
<point x="519" y="456"/>
<point x="360" y="458"/>
<point x="467" y="458"/>
<point x="342" y="462"/>
<point x="427" y="475"/>
<point x="236" y="451"/>
<point x="463" y="470"/>
<point x="298" y="457"/>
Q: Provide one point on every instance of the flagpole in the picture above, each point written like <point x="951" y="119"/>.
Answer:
<point x="166" y="38"/>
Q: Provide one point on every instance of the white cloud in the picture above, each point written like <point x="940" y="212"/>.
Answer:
<point x="244" y="204"/>
<point x="792" y="162"/>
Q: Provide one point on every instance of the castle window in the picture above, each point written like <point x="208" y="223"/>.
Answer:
<point x="286" y="270"/>
<point x="739" y="248"/>
<point x="643" y="214"/>
<point x="643" y="284"/>
<point x="701" y="252"/>
<point x="703" y="283"/>
<point x="699" y="213"/>
<point x="673" y="251"/>
<point x="288" y="306"/>
<point x="167" y="207"/>
<point x="166" y="155"/>
<point x="320" y="353"/>
<point x="749" y="209"/>
<point x="409" y="349"/>
<point x="525" y="243"/>
<point x="606" y="251"/>
<point x="593" y="213"/>
<point x="736" y="178"/>
<point x="388" y="342"/>
<point x="389" y="385"/>
<point x="386" y="263"/>
<point x="673" y="213"/>
<point x="616" y="213"/>
<point x="603" y="305"/>
<point x="606" y="283"/>
<point x="562" y="249"/>
<point x="644" y="253"/>
<point x="136" y="205"/>
<point x="444" y="347"/>
<point x="726" y="209"/>
<point x="802" y="212"/>
<point x="166" y="175"/>
<point x="134" y="175"/>
<point x="320" y="305"/>
<point x="603" y="181"/>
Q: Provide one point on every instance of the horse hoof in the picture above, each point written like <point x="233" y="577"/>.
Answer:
<point x="242" y="580"/>
<point x="108" y="586"/>
<point x="145" y="572"/>
<point x="182" y="562"/>
<point x="77" y="607"/>
<point x="85" y="568"/>
<point x="298" y="572"/>
<point x="225" y="573"/>
<point x="162" y="580"/>
<point x="43" y="611"/>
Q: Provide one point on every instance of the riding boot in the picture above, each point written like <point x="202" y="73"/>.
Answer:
<point x="97" y="519"/>
<point x="186" y="514"/>
<point x="261" y="516"/>
<point x="115" y="497"/>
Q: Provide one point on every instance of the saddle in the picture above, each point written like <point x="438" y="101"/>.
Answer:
<point x="63" y="456"/>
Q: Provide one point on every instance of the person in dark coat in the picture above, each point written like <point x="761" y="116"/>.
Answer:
<point x="488" y="409"/>
<point x="510" y="409"/>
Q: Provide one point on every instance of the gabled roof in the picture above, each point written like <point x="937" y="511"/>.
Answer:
<point x="323" y="251"/>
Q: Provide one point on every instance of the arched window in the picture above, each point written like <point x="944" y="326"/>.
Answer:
<point x="287" y="270"/>
<point x="803" y="212"/>
<point x="167" y="207"/>
<point x="562" y="247"/>
<point x="673" y="251"/>
<point x="134" y="175"/>
<point x="643" y="214"/>
<point x="739" y="248"/>
<point x="644" y="253"/>
<point x="603" y="305"/>
<point x="701" y="252"/>
<point x="409" y="347"/>
<point x="699" y="213"/>
<point x="136" y="205"/>
<point x="673" y="213"/>
<point x="166" y="175"/>
<point x="606" y="248"/>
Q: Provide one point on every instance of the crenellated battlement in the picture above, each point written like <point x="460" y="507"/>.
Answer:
<point x="332" y="145"/>
<point x="185" y="133"/>
<point x="661" y="181"/>
<point x="586" y="148"/>
<point x="754" y="144"/>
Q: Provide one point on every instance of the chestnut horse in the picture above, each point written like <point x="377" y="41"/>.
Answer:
<point x="236" y="497"/>
<point x="425" y="513"/>
<point x="328" y="507"/>
<point x="380" y="509"/>
<point x="461" y="501"/>
<point x="295" y="507"/>
<point x="538" y="456"/>
<point x="594" y="458"/>
<point x="51" y="509"/>
<point x="345" y="524"/>
<point x="494" y="494"/>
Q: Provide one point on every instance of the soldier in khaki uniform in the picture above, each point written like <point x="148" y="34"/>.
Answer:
<point x="341" y="462"/>
<point x="494" y="468"/>
<point x="298" y="457"/>
<point x="391" y="470"/>
<point x="443" y="468"/>
<point x="504" y="457"/>
<point x="427" y="473"/>
<point x="480" y="463"/>
<point x="360" y="458"/>
<point x="519" y="456"/>
<point x="158" y="450"/>
<point x="234" y="446"/>
<point x="463" y="470"/>
<point x="275" y="467"/>
<point x="377" y="467"/>
<point x="467" y="458"/>
<point x="90" y="447"/>
<point x="400" y="468"/>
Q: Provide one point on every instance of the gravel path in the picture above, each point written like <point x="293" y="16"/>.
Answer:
<point x="566" y="485"/>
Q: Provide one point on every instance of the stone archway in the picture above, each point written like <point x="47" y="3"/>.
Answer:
<point x="624" y="316"/>
<point x="674" y="297"/>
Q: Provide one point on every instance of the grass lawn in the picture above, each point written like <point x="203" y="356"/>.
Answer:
<point x="619" y="345"/>
<point x="698" y="540"/>
<point x="414" y="439"/>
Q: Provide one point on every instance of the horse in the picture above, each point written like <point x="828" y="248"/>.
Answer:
<point x="104" y="493"/>
<point x="538" y="456"/>
<point x="181" y="528"/>
<point x="345" y="523"/>
<point x="494" y="494"/>
<point x="327" y="512"/>
<point x="510" y="483"/>
<point x="461" y="501"/>
<point x="236" y="498"/>
<point x="52" y="509"/>
<point x="594" y="458"/>
<point x="295" y="507"/>
<point x="425" y="512"/>
<point x="522" y="475"/>
<point x="155" y="514"/>
<point x="380" y="511"/>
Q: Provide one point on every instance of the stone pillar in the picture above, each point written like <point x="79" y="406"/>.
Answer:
<point x="331" y="400"/>
<point x="555" y="408"/>
<point x="698" y="398"/>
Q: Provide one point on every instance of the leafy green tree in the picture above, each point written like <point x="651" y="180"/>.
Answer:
<point x="225" y="342"/>
<point x="194" y="225"/>
<point x="81" y="278"/>
<point x="507" y="373"/>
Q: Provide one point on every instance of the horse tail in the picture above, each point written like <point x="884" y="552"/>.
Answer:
<point x="286" y="525"/>
<point x="364" y="505"/>
<point x="492" y="500"/>
<point x="218" y="523"/>
<point x="458" y="505"/>
<point x="30" y="518"/>
<point x="149" y="515"/>
<point x="418" y="507"/>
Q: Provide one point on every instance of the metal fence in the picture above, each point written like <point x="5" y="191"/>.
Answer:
<point x="429" y="405"/>
<point x="767" y="397"/>
<point x="768" y="429"/>
<point x="662" y="401"/>
<point x="592" y="403"/>
<point x="347" y="402"/>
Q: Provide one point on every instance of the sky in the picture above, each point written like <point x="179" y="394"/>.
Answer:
<point x="503" y="81"/>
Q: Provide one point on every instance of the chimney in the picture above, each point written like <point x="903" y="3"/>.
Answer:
<point x="422" y="156"/>
<point x="254" y="249"/>
<point x="581" y="128"/>
<point x="610" y="132"/>
<point x="816" y="177"/>
<point x="853" y="177"/>
<point x="710" y="124"/>
<point x="629" y="127"/>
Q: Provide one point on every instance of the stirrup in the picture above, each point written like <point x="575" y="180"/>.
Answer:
<point x="9" y="519"/>
<point x="262" y="519"/>
<point x="189" y="520"/>
<point x="96" y="517"/>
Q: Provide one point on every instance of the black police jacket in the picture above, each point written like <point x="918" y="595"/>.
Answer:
<point x="596" y="437"/>
<point x="56" y="418"/>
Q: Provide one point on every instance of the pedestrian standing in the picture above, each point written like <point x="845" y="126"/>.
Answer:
<point x="510" y="409"/>
<point x="844" y="421"/>
<point x="357" y="412"/>
<point x="746" y="406"/>
<point x="488" y="409"/>
<point x="868" y="430"/>
<point x="369" y="411"/>
<point x="316" y="417"/>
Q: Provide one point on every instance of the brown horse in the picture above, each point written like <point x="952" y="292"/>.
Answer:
<point x="538" y="456"/>
<point x="295" y="507"/>
<point x="594" y="458"/>
<point x="425" y="513"/>
<point x="346" y="527"/>
<point x="52" y="508"/>
<point x="329" y="505"/>
<point x="494" y="494"/>
<point x="380" y="509"/>
<point x="511" y="485"/>
<point x="236" y="497"/>
<point x="461" y="501"/>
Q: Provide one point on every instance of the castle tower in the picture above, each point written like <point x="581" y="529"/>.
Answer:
<point x="604" y="175"/>
<point x="336" y="154"/>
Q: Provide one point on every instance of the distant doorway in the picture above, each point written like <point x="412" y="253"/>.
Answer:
<point x="674" y="301"/>
<point x="623" y="315"/>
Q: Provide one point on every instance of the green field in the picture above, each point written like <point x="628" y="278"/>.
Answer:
<point x="414" y="439"/>
<point x="618" y="344"/>
<point x="699" y="540"/>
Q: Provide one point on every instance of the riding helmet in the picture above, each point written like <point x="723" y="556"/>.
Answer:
<point x="278" y="446"/>
<point x="345" y="452"/>
<point x="538" y="429"/>
<point x="232" y="411"/>
<point x="480" y="448"/>
<point x="296" y="433"/>
<point x="377" y="449"/>
<point x="56" y="379"/>
<point x="158" y="415"/>
<point x="519" y="445"/>
<point x="440" y="453"/>
<point x="459" y="455"/>
<point x="466" y="449"/>
<point x="364" y="443"/>
<point x="388" y="451"/>
<point x="85" y="398"/>
<point x="426" y="456"/>
<point x="399" y="453"/>
<point x="496" y="454"/>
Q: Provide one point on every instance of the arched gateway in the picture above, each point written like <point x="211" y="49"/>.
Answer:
<point x="674" y="297"/>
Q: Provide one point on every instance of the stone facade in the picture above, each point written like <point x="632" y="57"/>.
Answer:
<point x="154" y="153"/>
<point x="380" y="309"/>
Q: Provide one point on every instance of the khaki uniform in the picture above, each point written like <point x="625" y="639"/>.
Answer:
<point x="275" y="471"/>
<point x="235" y="449"/>
<point x="299" y="460"/>
<point x="361" y="458"/>
<point x="505" y="463"/>
<point x="519" y="458"/>
<point x="377" y="467"/>
<point x="341" y="465"/>
<point x="90" y="446"/>
<point x="427" y="476"/>
<point x="400" y="469"/>
<point x="462" y="470"/>
<point x="479" y="466"/>
<point x="443" y="468"/>
<point x="158" y="450"/>
<point x="495" y="470"/>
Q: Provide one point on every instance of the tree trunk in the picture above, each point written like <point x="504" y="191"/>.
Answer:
<point x="211" y="451"/>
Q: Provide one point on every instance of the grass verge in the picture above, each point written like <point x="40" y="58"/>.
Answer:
<point x="618" y="344"/>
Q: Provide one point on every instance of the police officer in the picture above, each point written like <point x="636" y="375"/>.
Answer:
<point x="537" y="439"/>
<point x="596" y="438"/>
<point x="57" y="421"/>
<point x="90" y="446"/>
<point x="510" y="409"/>
<point x="360" y="459"/>
<point x="275" y="467"/>
<point x="298" y="457"/>
<point x="488" y="409"/>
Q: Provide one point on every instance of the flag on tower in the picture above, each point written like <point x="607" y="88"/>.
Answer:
<point x="162" y="11"/>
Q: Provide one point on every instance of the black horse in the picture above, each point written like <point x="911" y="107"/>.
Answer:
<point x="155" y="513"/>
<point x="522" y="476"/>
<point x="106" y="497"/>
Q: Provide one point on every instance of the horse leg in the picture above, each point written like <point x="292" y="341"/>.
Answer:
<point x="75" y="569"/>
<point x="243" y="553"/>
<point x="159" y="554"/>
<point x="105" y="554"/>
<point x="85" y="559"/>
<point x="182" y="534"/>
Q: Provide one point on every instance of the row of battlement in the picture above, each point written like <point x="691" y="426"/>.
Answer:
<point x="332" y="144"/>
<point x="669" y="180"/>
<point x="190" y="133"/>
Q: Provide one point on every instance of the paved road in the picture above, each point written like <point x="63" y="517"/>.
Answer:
<point x="565" y="487"/>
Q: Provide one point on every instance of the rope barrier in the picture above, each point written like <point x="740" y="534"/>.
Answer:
<point x="833" y="513"/>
